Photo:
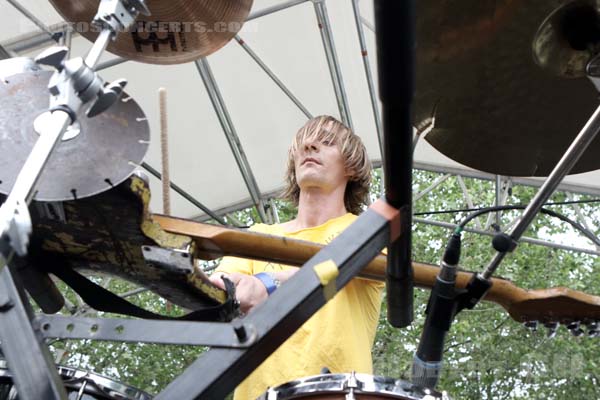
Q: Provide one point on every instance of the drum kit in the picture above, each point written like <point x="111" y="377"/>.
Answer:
<point x="72" y="142"/>
<point x="79" y="385"/>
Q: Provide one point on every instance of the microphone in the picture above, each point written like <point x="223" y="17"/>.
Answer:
<point x="441" y="309"/>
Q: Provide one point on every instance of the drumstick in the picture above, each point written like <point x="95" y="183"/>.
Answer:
<point x="164" y="146"/>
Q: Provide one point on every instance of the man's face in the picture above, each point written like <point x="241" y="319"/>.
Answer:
<point x="320" y="163"/>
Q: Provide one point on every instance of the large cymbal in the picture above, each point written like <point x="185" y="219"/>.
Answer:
<point x="104" y="152"/>
<point x="507" y="78"/>
<point x="178" y="31"/>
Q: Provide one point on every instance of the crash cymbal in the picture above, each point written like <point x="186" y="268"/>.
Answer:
<point x="94" y="154"/>
<point x="178" y="31"/>
<point x="507" y="80"/>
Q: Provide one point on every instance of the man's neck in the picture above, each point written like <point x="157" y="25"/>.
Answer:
<point x="315" y="207"/>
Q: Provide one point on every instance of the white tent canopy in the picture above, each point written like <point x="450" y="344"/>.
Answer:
<point x="288" y="41"/>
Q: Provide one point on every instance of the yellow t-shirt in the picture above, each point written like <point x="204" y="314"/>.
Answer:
<point x="339" y="336"/>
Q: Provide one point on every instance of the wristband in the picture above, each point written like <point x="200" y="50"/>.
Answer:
<point x="271" y="283"/>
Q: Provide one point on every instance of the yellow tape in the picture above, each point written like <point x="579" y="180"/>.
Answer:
<point x="327" y="272"/>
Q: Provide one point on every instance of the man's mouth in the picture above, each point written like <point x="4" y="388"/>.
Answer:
<point x="310" y="159"/>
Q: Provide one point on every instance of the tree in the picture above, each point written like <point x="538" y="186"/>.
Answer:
<point x="488" y="355"/>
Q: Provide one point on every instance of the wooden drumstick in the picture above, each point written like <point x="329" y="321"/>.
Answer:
<point x="164" y="147"/>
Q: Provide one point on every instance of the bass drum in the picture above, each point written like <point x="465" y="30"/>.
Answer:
<point x="350" y="387"/>
<point x="80" y="385"/>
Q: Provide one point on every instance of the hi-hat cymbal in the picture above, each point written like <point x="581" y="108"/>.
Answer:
<point x="507" y="78"/>
<point x="178" y="31"/>
<point x="94" y="155"/>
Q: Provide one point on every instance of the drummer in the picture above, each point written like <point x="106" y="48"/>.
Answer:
<point x="328" y="176"/>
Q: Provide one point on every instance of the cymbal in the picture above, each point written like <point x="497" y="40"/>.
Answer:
<point x="93" y="156"/>
<point x="506" y="80"/>
<point x="178" y="31"/>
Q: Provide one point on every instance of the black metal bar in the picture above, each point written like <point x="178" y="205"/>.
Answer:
<point x="185" y="195"/>
<point x="395" y="23"/>
<point x="29" y="360"/>
<point x="214" y="334"/>
<point x="217" y="372"/>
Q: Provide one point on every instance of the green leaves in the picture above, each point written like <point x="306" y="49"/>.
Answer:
<point x="488" y="355"/>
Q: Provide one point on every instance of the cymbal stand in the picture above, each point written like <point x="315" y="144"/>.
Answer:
<point x="73" y="85"/>
<point x="568" y="160"/>
<point x="445" y="300"/>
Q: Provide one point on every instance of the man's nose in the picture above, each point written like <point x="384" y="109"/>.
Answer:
<point x="311" y="146"/>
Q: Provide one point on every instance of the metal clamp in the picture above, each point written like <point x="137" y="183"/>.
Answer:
<point x="118" y="15"/>
<point x="15" y="225"/>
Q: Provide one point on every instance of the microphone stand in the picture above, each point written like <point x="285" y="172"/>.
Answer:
<point x="445" y="300"/>
<point x="73" y="85"/>
<point x="395" y="22"/>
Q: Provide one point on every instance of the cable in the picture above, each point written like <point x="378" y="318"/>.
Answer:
<point x="486" y="210"/>
<point x="560" y="203"/>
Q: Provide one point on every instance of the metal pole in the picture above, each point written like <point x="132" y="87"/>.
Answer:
<point x="66" y="40"/>
<point x="333" y="62"/>
<point x="434" y="185"/>
<point x="369" y="75"/>
<point x="529" y="240"/>
<point x="396" y="61"/>
<point x="467" y="197"/>
<point x="29" y="359"/>
<point x="111" y="63"/>
<point x="273" y="9"/>
<point x="272" y="75"/>
<point x="514" y="180"/>
<point x="498" y="200"/>
<point x="573" y="153"/>
<point x="4" y="54"/>
<point x="368" y="24"/>
<point x="32" y="18"/>
<point x="580" y="215"/>
<point x="185" y="195"/>
<point x="93" y="56"/>
<point x="274" y="211"/>
<point x="231" y="135"/>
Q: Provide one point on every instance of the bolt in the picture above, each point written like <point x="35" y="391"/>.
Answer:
<point x="240" y="331"/>
<point x="573" y="325"/>
<point x="531" y="325"/>
<point x="552" y="328"/>
<point x="577" y="332"/>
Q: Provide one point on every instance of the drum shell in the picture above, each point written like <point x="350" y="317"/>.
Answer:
<point x="350" y="386"/>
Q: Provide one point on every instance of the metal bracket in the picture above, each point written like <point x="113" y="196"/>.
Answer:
<point x="119" y="14"/>
<point x="171" y="260"/>
<point x="234" y="335"/>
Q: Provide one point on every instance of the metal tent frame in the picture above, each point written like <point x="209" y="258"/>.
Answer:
<point x="262" y="200"/>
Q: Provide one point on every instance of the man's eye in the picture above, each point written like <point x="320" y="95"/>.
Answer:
<point x="328" y="142"/>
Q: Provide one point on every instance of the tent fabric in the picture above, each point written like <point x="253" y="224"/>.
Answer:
<point x="265" y="119"/>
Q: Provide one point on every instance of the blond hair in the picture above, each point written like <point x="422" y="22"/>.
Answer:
<point x="356" y="161"/>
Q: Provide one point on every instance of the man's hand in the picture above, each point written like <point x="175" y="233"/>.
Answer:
<point x="249" y="290"/>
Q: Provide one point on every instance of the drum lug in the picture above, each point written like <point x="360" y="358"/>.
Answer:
<point x="351" y="384"/>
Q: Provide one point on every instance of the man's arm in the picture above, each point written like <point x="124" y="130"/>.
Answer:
<point x="249" y="290"/>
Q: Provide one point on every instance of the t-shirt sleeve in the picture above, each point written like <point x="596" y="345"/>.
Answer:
<point x="236" y="264"/>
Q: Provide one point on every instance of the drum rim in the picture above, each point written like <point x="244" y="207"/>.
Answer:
<point x="101" y="384"/>
<point x="336" y="383"/>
